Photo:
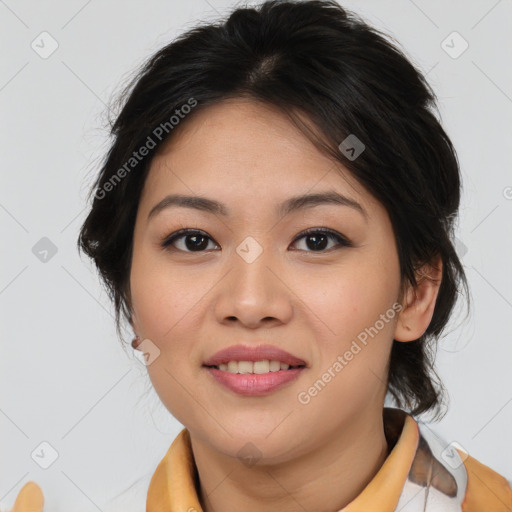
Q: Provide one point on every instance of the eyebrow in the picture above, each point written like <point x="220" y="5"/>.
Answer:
<point x="289" y="206"/>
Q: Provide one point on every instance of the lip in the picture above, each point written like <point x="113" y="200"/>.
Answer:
<point x="254" y="384"/>
<point x="258" y="353"/>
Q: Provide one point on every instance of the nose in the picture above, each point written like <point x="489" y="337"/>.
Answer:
<point x="254" y="292"/>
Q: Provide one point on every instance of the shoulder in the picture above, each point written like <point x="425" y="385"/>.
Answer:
<point x="486" y="489"/>
<point x="443" y="477"/>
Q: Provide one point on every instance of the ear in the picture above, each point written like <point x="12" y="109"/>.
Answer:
<point x="420" y="301"/>
<point x="132" y="320"/>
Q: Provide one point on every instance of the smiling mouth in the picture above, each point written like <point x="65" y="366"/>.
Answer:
<point x="255" y="367"/>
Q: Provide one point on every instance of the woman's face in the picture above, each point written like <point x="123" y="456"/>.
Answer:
<point x="252" y="278"/>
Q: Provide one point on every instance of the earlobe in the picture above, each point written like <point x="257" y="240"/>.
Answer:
<point x="419" y="302"/>
<point x="134" y="325"/>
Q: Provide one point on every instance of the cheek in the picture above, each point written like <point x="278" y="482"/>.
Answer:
<point x="356" y="305"/>
<point x="163" y="303"/>
<point x="352" y="299"/>
<point x="163" y="296"/>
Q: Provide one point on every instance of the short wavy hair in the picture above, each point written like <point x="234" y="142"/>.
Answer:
<point x="316" y="60"/>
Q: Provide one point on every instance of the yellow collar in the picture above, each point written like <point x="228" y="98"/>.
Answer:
<point x="467" y="484"/>
<point x="173" y="487"/>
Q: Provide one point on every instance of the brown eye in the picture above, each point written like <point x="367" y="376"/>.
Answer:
<point x="317" y="240"/>
<point x="188" y="240"/>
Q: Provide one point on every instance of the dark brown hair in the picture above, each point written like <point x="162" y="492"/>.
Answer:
<point x="315" y="61"/>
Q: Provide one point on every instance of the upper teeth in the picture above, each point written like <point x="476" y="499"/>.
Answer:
<point x="257" y="367"/>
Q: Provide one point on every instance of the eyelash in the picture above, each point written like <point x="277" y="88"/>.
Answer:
<point x="341" y="240"/>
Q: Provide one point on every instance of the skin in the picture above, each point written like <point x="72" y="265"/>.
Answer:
<point x="310" y="303"/>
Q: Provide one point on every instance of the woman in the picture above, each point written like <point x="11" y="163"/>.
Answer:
<point x="275" y="221"/>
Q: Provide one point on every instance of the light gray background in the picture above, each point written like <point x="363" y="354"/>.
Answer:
<point x="64" y="377"/>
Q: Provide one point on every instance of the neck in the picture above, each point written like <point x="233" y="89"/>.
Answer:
<point x="323" y="479"/>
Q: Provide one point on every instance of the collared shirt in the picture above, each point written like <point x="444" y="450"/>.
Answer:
<point x="422" y="473"/>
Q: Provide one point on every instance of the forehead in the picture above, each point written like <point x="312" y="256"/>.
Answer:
<point x="241" y="148"/>
<point x="240" y="132"/>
